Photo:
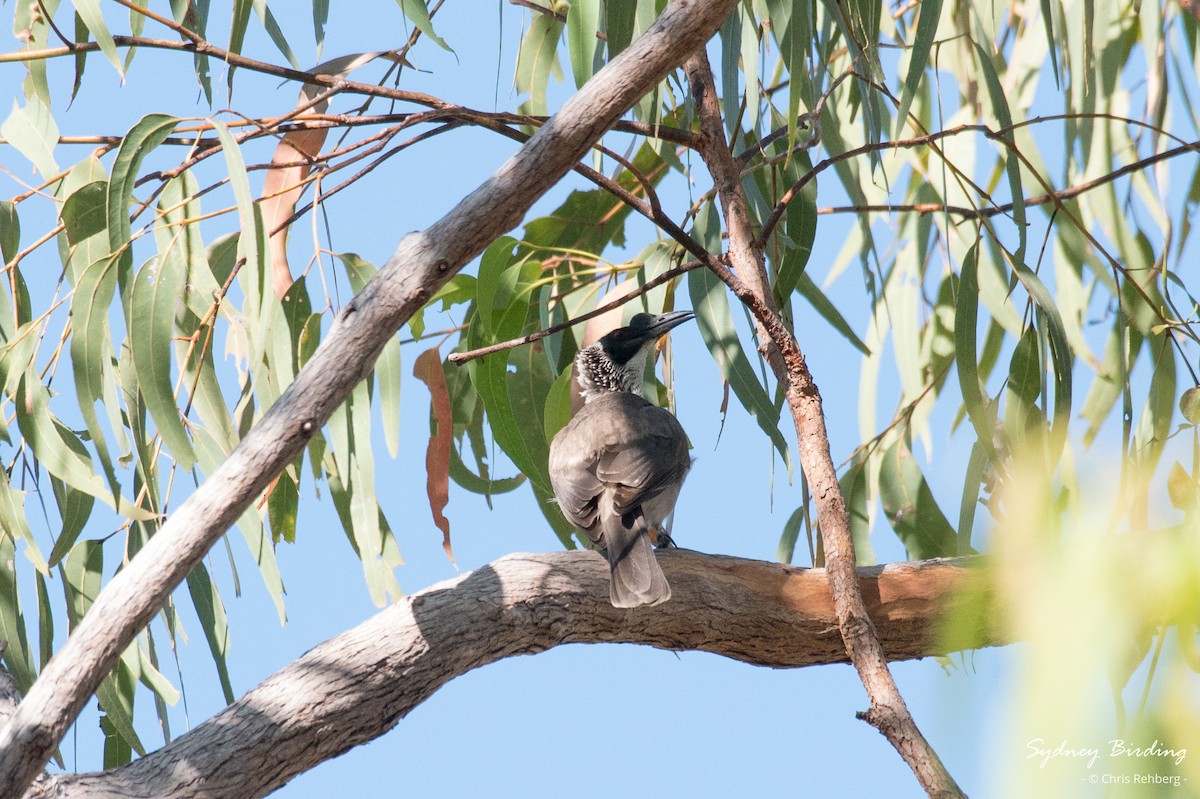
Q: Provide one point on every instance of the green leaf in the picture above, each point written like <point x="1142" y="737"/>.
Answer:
<point x="45" y="622"/>
<point x="271" y="25"/>
<point x="418" y="14"/>
<point x="82" y="573"/>
<point x="786" y="551"/>
<point x="117" y="751"/>
<point x="387" y="366"/>
<point x="61" y="452"/>
<point x="74" y="508"/>
<point x="918" y="59"/>
<point x="194" y="344"/>
<point x="538" y="60"/>
<point x="387" y="372"/>
<point x="34" y="133"/>
<point x="194" y="16"/>
<point x="529" y="386"/>
<point x="486" y="486"/>
<point x="211" y="611"/>
<point x="157" y="288"/>
<point x="94" y="273"/>
<point x="1060" y="353"/>
<point x="731" y="52"/>
<point x="148" y="133"/>
<point x="800" y="227"/>
<point x="911" y="508"/>
<point x="1012" y="163"/>
<point x="148" y="674"/>
<point x="583" y="22"/>
<point x="966" y="317"/>
<point x="976" y="468"/>
<point x="1024" y="384"/>
<point x="93" y="18"/>
<point x="250" y="525"/>
<point x="749" y="98"/>
<point x="237" y="34"/>
<point x="137" y="24"/>
<point x="1154" y="426"/>
<point x="283" y="507"/>
<point x="854" y="488"/>
<point x="84" y="214"/>
<point x="12" y="620"/>
<point x="558" y="404"/>
<point x="350" y="470"/>
<point x="14" y="523"/>
<point x="1048" y="25"/>
<point x="503" y="312"/>
<point x="91" y="355"/>
<point x="618" y="25"/>
<point x="320" y="12"/>
<point x="115" y="696"/>
<point x="250" y="244"/>
<point x="10" y="230"/>
<point x="268" y="347"/>
<point x="1106" y="388"/>
<point x="791" y="23"/>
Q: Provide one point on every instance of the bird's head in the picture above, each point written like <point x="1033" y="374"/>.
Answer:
<point x="616" y="362"/>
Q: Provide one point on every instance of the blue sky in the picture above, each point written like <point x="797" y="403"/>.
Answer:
<point x="591" y="719"/>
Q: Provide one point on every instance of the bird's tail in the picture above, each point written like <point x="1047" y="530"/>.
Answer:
<point x="637" y="579"/>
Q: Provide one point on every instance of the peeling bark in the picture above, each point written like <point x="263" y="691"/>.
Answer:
<point x="358" y="685"/>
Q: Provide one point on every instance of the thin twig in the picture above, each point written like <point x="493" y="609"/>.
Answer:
<point x="540" y="9"/>
<point x="164" y="21"/>
<point x="670" y="274"/>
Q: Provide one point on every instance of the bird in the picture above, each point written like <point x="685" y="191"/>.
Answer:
<point x="616" y="468"/>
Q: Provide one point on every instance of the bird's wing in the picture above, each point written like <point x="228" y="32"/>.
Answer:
<point x="577" y="492"/>
<point x="573" y="476"/>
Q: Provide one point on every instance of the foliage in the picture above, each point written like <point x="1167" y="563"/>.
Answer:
<point x="1016" y="194"/>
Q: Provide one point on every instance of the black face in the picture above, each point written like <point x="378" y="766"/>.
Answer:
<point x="624" y="342"/>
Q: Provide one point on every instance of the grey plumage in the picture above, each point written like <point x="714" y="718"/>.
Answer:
<point x="617" y="467"/>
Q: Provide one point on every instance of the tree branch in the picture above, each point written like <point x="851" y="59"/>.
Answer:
<point x="599" y="310"/>
<point x="361" y="683"/>
<point x="888" y="712"/>
<point x="421" y="264"/>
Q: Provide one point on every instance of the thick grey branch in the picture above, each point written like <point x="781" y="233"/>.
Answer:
<point x="358" y="685"/>
<point x="422" y="263"/>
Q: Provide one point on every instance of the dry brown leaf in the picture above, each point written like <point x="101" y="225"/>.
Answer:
<point x="428" y="369"/>
<point x="293" y="159"/>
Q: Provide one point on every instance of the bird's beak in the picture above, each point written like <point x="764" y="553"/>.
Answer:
<point x="665" y="322"/>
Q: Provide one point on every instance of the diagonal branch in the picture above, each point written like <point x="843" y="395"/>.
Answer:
<point x="421" y="264"/>
<point x="361" y="683"/>
<point x="888" y="712"/>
